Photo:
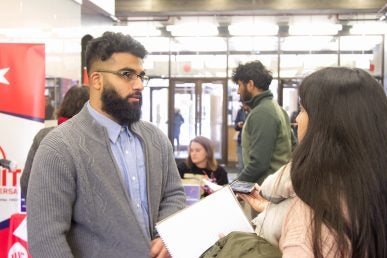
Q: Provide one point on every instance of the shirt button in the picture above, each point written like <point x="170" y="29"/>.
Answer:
<point x="127" y="152"/>
<point x="133" y="178"/>
<point x="138" y="205"/>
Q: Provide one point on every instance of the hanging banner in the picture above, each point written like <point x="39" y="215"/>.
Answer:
<point x="22" y="83"/>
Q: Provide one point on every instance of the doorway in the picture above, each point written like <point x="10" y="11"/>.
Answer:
<point x="201" y="103"/>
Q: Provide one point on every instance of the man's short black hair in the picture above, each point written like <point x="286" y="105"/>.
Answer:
<point x="102" y="48"/>
<point x="254" y="71"/>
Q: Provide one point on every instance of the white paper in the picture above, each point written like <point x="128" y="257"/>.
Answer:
<point x="214" y="187"/>
<point x="191" y="231"/>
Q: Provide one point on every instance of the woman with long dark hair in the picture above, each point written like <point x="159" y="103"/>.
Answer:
<point x="338" y="170"/>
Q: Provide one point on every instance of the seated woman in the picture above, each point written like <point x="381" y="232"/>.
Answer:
<point x="201" y="161"/>
<point x="338" y="172"/>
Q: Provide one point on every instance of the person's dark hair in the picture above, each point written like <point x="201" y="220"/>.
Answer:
<point x="254" y="71"/>
<point x="73" y="101"/>
<point x="102" y="48"/>
<point x="207" y="144"/>
<point x="339" y="168"/>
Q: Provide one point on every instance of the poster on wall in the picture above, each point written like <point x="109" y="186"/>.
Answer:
<point x="22" y="82"/>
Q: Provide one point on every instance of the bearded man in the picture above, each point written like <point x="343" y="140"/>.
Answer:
<point x="266" y="134"/>
<point x="101" y="181"/>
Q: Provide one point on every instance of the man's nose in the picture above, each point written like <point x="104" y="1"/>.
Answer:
<point x="138" y="84"/>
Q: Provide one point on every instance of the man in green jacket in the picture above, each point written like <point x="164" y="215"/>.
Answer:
<point x="266" y="135"/>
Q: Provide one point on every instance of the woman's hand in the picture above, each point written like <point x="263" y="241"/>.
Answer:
<point x="256" y="201"/>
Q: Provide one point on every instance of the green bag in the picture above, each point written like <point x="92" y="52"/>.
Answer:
<point x="242" y="245"/>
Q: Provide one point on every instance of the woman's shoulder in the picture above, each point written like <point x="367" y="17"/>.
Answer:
<point x="299" y="214"/>
<point x="296" y="233"/>
<point x="278" y="185"/>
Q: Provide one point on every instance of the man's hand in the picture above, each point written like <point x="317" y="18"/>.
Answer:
<point x="158" y="249"/>
<point x="256" y="201"/>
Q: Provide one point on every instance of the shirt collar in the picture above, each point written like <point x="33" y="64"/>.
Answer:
<point x="112" y="127"/>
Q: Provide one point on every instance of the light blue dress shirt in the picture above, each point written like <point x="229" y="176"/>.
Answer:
<point x="129" y="155"/>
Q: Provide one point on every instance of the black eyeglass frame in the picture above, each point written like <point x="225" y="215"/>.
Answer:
<point x="129" y="76"/>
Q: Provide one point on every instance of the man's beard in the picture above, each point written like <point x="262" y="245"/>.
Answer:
<point x="122" y="111"/>
<point x="246" y="96"/>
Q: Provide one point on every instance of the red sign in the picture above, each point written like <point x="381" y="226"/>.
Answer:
<point x="22" y="83"/>
<point x="17" y="237"/>
<point x="22" y="80"/>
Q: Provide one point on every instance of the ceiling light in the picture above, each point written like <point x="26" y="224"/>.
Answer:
<point x="369" y="28"/>
<point x="321" y="28"/>
<point x="254" y="43"/>
<point x="144" y="30"/>
<point x="199" y="44"/>
<point x="193" y="29"/>
<point x="37" y="33"/>
<point x="310" y="43"/>
<point x="252" y="28"/>
<point x="138" y="29"/>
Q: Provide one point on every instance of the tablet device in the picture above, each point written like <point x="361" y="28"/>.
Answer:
<point x="242" y="186"/>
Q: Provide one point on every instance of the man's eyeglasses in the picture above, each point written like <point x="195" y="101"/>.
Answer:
<point x="128" y="75"/>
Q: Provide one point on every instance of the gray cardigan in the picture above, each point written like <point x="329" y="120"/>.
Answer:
<point x="77" y="203"/>
<point x="30" y="157"/>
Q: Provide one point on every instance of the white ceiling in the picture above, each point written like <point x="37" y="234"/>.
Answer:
<point x="60" y="25"/>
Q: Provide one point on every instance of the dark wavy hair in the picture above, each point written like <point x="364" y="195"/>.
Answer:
<point x="254" y="71"/>
<point x="207" y="144"/>
<point x="102" y="48"/>
<point x="339" y="168"/>
<point x="73" y="101"/>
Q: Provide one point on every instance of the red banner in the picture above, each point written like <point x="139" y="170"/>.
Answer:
<point x="21" y="81"/>
<point x="17" y="237"/>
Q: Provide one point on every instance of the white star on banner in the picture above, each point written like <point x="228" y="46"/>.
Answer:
<point x="3" y="80"/>
<point x="21" y="230"/>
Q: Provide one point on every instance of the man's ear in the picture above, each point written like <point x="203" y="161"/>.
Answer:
<point x="96" y="80"/>
<point x="250" y="85"/>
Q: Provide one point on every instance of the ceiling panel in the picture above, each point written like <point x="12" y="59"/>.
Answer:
<point x="135" y="8"/>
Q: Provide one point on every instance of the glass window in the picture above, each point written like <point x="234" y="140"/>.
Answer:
<point x="364" y="52"/>
<point x="200" y="65"/>
<point x="302" y="55"/>
<point x="309" y="43"/>
<point x="298" y="65"/>
<point x="155" y="103"/>
<point x="156" y="62"/>
<point x="198" y="57"/>
<point x="198" y="44"/>
<point x="253" y="44"/>
<point x="268" y="60"/>
<point x="156" y="65"/>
